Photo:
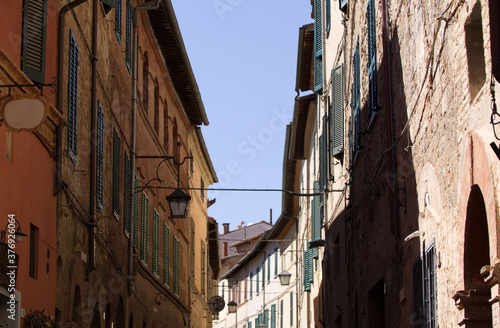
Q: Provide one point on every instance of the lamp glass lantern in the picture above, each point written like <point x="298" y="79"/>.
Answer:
<point x="232" y="306"/>
<point x="178" y="201"/>
<point x="285" y="278"/>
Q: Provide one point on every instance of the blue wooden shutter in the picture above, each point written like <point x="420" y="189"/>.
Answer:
<point x="156" y="242"/>
<point x="100" y="155"/>
<point x="372" y="58"/>
<point x="343" y="5"/>
<point x="72" y="96"/>
<point x="127" y="208"/>
<point x="116" y="172"/>
<point x="136" y="212"/>
<point x="144" y="227"/>
<point x="328" y="15"/>
<point x="166" y="255"/>
<point x="318" y="47"/>
<point x="118" y="19"/>
<point x="33" y="42"/>
<point x="337" y="112"/>
<point x="176" y="266"/>
<point x="128" y="41"/>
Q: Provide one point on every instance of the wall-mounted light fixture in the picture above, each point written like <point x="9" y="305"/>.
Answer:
<point x="18" y="234"/>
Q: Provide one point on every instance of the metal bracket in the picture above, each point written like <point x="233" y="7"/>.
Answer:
<point x="38" y="85"/>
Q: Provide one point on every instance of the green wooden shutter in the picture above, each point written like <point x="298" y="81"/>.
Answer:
<point x="281" y="314"/>
<point x="269" y="268"/>
<point x="72" y="96"/>
<point x="118" y="19"/>
<point x="307" y="270"/>
<point x="328" y="15"/>
<point x="136" y="212"/>
<point x="144" y="227"/>
<point x="343" y="5"/>
<point x="266" y="317"/>
<point x="263" y="272"/>
<point x="257" y="273"/>
<point x="33" y="42"/>
<point x="249" y="324"/>
<point x="337" y="112"/>
<point x="100" y="155"/>
<point x="251" y="284"/>
<point x="291" y="309"/>
<point x="128" y="41"/>
<point x="127" y="209"/>
<point x="116" y="172"/>
<point x="318" y="47"/>
<point x="372" y="58"/>
<point x="316" y="215"/>
<point x="166" y="255"/>
<point x="323" y="156"/>
<point x="273" y="316"/>
<point x="156" y="242"/>
<point x="176" y="266"/>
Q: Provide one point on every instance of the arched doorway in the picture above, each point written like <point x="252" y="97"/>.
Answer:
<point x="96" y="318"/>
<point x="476" y="256"/>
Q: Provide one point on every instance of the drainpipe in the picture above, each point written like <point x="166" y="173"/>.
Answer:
<point x="93" y="129"/>
<point x="388" y="117"/>
<point x="60" y="94"/>
<point x="150" y="5"/>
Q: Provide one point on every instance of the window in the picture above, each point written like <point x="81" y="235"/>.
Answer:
<point x="118" y="19"/>
<point x="166" y="255"/>
<point x="157" y="108"/>
<point x="156" y="242"/>
<point x="72" y="96"/>
<point x="318" y="47"/>
<point x="145" y="83"/>
<point x="136" y="212"/>
<point x="372" y="58"/>
<point x="33" y="264"/>
<point x="144" y="227"/>
<point x="475" y="50"/>
<point x="33" y="43"/>
<point x="268" y="268"/>
<point x="127" y="210"/>
<point x="281" y="314"/>
<point x="128" y="41"/>
<point x="355" y="141"/>
<point x="337" y="112"/>
<point x="202" y="191"/>
<point x="273" y="316"/>
<point x="291" y="309"/>
<point x="176" y="266"/>
<point x="251" y="284"/>
<point x="116" y="173"/>
<point x="275" y="262"/>
<point x="100" y="154"/>
<point x="328" y="15"/>
<point x="424" y="290"/>
<point x="203" y="270"/>
<point x="165" y="129"/>
<point x="257" y="272"/>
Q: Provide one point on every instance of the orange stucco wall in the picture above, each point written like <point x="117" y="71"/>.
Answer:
<point x="27" y="191"/>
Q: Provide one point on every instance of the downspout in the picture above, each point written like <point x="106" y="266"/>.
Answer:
<point x="150" y="5"/>
<point x="60" y="94"/>
<point x="388" y="118"/>
<point x="93" y="127"/>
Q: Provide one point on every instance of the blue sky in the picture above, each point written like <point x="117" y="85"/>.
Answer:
<point x="244" y="57"/>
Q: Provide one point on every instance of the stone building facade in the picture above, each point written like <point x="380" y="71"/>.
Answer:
<point x="410" y="210"/>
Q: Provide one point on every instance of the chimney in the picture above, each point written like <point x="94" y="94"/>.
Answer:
<point x="224" y="249"/>
<point x="225" y="227"/>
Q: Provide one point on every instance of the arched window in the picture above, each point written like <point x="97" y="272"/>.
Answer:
<point x="120" y="318"/>
<point x="76" y="315"/>
<point x="175" y="141"/>
<point x="145" y="83"/>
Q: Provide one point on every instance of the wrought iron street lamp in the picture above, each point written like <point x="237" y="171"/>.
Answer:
<point x="285" y="278"/>
<point x="178" y="201"/>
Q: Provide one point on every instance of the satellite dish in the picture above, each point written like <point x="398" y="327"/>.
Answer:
<point x="216" y="304"/>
